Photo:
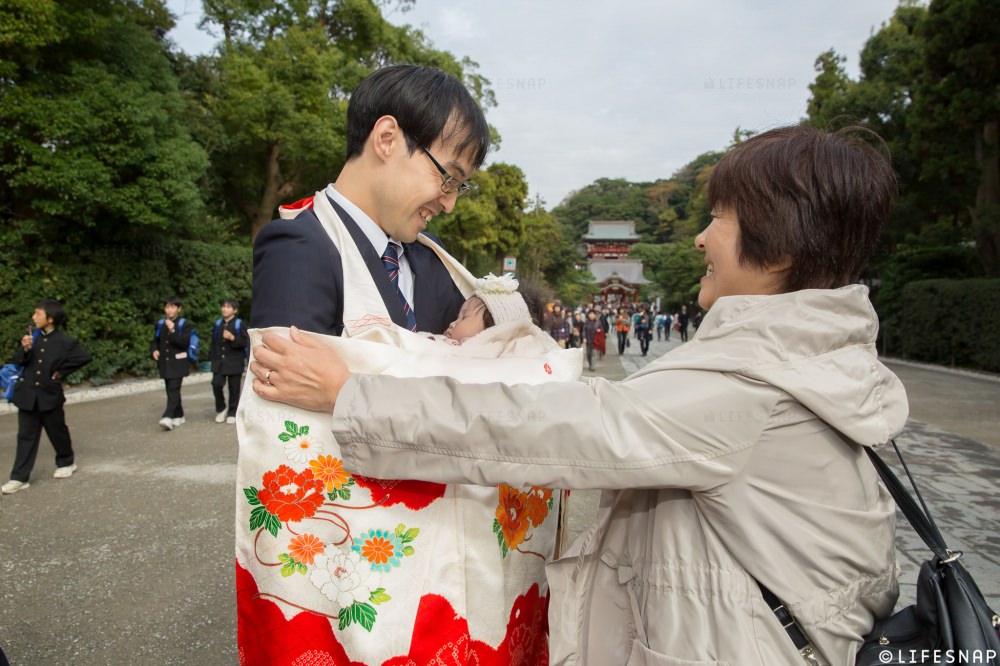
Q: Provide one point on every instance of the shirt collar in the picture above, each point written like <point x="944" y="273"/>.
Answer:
<point x="369" y="228"/>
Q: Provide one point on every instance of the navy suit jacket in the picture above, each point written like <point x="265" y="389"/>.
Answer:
<point x="298" y="278"/>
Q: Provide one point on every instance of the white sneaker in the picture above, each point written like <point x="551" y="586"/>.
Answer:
<point x="230" y="420"/>
<point x="64" y="472"/>
<point x="220" y="417"/>
<point x="13" y="486"/>
<point x="179" y="422"/>
<point x="166" y="424"/>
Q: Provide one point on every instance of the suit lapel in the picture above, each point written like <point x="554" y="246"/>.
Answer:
<point x="373" y="261"/>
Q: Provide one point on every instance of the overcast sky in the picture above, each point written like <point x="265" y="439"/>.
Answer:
<point x="629" y="89"/>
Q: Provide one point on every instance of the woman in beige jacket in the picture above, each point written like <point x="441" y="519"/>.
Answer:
<point x="734" y="459"/>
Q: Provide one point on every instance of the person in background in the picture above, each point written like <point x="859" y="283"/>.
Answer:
<point x="48" y="357"/>
<point x="228" y="354"/>
<point x="169" y="348"/>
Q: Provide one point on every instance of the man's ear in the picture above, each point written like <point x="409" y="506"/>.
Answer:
<point x="386" y="137"/>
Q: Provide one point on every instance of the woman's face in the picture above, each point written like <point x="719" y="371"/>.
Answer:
<point x="725" y="276"/>
<point x="470" y="321"/>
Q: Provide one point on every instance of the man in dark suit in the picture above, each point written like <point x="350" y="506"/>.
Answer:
<point x="414" y="137"/>
<point x="47" y="358"/>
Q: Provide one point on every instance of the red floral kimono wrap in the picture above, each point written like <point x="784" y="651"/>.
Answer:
<point x="336" y="569"/>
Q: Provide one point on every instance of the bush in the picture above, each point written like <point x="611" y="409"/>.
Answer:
<point x="114" y="295"/>
<point x="952" y="322"/>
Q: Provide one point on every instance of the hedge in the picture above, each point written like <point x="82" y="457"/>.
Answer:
<point x="952" y="322"/>
<point x="114" y="295"/>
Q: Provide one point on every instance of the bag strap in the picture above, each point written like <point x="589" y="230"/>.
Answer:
<point x="921" y="520"/>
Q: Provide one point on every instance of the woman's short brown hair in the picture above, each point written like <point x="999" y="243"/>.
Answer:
<point x="814" y="198"/>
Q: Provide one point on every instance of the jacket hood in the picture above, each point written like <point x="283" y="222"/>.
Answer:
<point x="817" y="345"/>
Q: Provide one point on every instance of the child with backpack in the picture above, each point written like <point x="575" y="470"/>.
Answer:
<point x="229" y="349"/>
<point x="46" y="355"/>
<point x="174" y="348"/>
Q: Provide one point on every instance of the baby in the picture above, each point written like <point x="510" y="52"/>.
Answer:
<point x="495" y="301"/>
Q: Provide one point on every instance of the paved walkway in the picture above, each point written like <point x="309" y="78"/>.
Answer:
<point x="131" y="560"/>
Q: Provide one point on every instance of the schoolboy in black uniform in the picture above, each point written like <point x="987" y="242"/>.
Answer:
<point x="229" y="343"/>
<point x="170" y="351"/>
<point x="38" y="394"/>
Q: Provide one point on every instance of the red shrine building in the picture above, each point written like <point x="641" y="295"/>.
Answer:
<point x="618" y="277"/>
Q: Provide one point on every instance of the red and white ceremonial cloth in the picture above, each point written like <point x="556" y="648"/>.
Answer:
<point x="337" y="569"/>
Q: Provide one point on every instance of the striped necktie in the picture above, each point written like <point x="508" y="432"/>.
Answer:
<point x="390" y="259"/>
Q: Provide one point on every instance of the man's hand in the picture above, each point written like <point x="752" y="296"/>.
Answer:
<point x="228" y="335"/>
<point x="302" y="372"/>
<point x="156" y="354"/>
<point x="26" y="343"/>
<point x="170" y="325"/>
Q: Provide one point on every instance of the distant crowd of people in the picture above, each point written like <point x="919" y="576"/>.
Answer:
<point x="590" y="326"/>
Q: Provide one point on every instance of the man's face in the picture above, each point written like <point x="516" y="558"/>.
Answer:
<point x="228" y="311"/>
<point x="413" y="196"/>
<point x="40" y="318"/>
<point x="171" y="310"/>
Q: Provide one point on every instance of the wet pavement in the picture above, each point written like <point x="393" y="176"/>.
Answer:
<point x="130" y="561"/>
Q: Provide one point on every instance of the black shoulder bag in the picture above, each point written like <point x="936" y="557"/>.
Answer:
<point x="950" y="623"/>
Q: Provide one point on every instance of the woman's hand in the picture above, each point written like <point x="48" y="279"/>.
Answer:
<point x="302" y="372"/>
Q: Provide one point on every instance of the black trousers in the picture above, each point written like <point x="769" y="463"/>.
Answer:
<point x="174" y="408"/>
<point x="234" y="381"/>
<point x="622" y="341"/>
<point x="644" y="341"/>
<point x="684" y="333"/>
<point x="29" y="433"/>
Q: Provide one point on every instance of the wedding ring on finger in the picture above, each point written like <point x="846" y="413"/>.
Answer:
<point x="267" y="378"/>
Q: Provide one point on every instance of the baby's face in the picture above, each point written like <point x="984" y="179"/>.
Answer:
<point x="469" y="322"/>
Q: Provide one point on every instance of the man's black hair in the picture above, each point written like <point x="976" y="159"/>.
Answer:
<point x="54" y="310"/>
<point x="426" y="102"/>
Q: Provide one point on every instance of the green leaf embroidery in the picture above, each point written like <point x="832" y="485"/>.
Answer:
<point x="289" y="565"/>
<point x="292" y="429"/>
<point x="408" y="550"/>
<point x="303" y="569"/>
<point x="400" y="529"/>
<point x="379" y="596"/>
<point x="344" y="493"/>
<point x="272" y="524"/>
<point x="257" y="517"/>
<point x="345" y="618"/>
<point x="350" y="482"/>
<point x="550" y="503"/>
<point x="500" y="540"/>
<point x="411" y="534"/>
<point x="363" y="614"/>
<point x="285" y="437"/>
<point x="304" y="430"/>
<point x="251" y="494"/>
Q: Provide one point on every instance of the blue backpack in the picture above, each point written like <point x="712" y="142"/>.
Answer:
<point x="239" y="323"/>
<point x="194" y="344"/>
<point x="11" y="372"/>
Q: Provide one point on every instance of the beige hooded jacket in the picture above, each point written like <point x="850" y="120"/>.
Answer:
<point x="729" y="459"/>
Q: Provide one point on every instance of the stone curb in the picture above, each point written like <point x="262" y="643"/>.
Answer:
<point x="126" y="387"/>
<point x="978" y="374"/>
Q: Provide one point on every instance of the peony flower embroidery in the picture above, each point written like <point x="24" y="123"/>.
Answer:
<point x="330" y="471"/>
<point x="343" y="577"/>
<point x="291" y="495"/>
<point x="512" y="516"/>
<point x="381" y="548"/>
<point x="300" y="449"/>
<point x="305" y="548"/>
<point x="538" y="505"/>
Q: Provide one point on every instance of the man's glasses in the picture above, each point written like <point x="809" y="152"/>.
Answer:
<point x="449" y="183"/>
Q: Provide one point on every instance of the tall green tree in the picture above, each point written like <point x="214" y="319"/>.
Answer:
<point x="90" y="132"/>
<point x="285" y="72"/>
<point x="959" y="106"/>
